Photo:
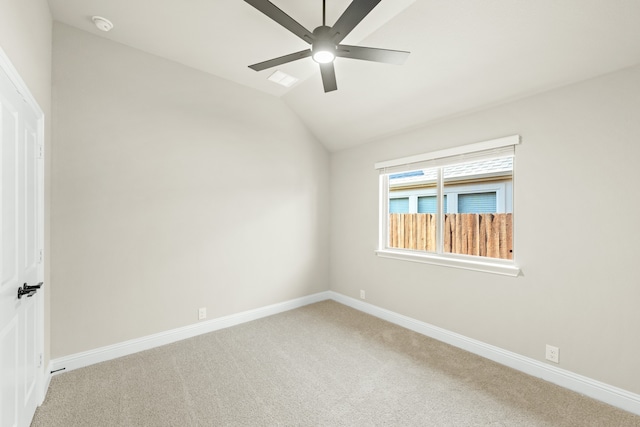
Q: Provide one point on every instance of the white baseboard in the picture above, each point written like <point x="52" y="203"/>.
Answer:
<point x="606" y="393"/>
<point x="595" y="389"/>
<point x="102" y="354"/>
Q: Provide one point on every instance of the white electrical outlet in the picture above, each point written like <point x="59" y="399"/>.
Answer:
<point x="362" y="294"/>
<point x="553" y="354"/>
<point x="202" y="313"/>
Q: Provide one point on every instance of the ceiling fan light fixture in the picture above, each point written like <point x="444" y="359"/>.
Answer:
<point x="323" y="49"/>
<point x="323" y="56"/>
<point x="326" y="41"/>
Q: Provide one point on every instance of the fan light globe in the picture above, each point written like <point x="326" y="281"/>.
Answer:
<point x="323" y="57"/>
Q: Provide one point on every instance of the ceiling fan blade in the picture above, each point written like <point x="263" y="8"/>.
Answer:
<point x="351" y="17"/>
<point x="273" y="12"/>
<point x="372" y="54"/>
<point x="328" y="73"/>
<point x="281" y="60"/>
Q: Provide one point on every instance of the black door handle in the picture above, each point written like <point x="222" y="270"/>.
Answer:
<point x="27" y="290"/>
<point x="32" y="288"/>
<point x="22" y="292"/>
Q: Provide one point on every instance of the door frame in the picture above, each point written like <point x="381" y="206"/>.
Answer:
<point x="6" y="66"/>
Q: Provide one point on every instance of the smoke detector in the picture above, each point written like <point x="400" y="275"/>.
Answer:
<point x="103" y="24"/>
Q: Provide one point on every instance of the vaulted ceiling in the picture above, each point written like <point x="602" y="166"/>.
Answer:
<point x="465" y="54"/>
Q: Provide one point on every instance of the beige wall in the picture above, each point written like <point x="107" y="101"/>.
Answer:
<point x="25" y="37"/>
<point x="174" y="190"/>
<point x="577" y="228"/>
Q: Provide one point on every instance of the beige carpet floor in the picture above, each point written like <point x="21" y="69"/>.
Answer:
<point x="321" y="365"/>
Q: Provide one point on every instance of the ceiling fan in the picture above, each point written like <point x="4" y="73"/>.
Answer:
<point x="325" y="41"/>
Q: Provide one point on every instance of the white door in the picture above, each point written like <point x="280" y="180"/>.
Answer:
<point x="21" y="168"/>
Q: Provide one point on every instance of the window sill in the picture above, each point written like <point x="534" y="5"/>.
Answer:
<point x="502" y="267"/>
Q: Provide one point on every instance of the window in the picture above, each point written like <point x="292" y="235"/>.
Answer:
<point x="399" y="205"/>
<point x="452" y="207"/>
<point x="477" y="202"/>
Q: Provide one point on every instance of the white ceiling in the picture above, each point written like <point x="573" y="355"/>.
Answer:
<point x="465" y="54"/>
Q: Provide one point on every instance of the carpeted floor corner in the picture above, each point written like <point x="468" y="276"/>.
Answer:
<point x="320" y="365"/>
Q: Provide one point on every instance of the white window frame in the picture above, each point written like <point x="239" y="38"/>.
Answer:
<point x="486" y="149"/>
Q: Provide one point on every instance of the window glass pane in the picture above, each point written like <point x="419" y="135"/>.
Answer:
<point x="411" y="230"/>
<point x="429" y="204"/>
<point x="399" y="205"/>
<point x="477" y="203"/>
<point x="479" y="225"/>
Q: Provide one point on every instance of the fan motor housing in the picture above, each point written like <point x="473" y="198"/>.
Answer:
<point x="323" y="41"/>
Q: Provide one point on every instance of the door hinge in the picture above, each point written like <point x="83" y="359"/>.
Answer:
<point x="40" y="151"/>
<point x="40" y="256"/>
<point x="40" y="360"/>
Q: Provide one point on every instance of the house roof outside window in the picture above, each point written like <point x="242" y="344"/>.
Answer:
<point x="482" y="168"/>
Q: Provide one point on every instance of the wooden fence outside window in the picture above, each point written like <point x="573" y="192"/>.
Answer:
<point x="485" y="234"/>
